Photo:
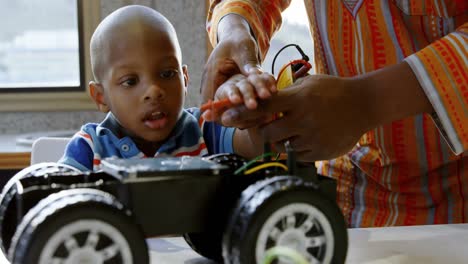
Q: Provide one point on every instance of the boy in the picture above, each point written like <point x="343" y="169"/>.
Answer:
<point x="141" y="83"/>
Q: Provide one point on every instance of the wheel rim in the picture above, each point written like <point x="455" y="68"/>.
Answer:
<point x="299" y="226"/>
<point x="86" y="241"/>
<point x="8" y="193"/>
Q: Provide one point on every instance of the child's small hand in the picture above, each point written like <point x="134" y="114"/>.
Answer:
<point x="247" y="89"/>
<point x="240" y="89"/>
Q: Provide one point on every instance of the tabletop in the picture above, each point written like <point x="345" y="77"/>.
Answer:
<point x="431" y="244"/>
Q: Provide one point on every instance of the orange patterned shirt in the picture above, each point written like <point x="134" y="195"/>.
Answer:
<point x="412" y="171"/>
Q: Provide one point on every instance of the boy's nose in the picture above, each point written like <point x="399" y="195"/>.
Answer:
<point x="154" y="92"/>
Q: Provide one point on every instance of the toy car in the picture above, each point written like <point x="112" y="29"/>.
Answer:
<point x="228" y="209"/>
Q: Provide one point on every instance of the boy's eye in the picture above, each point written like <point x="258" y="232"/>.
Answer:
<point x="167" y="74"/>
<point x="129" y="82"/>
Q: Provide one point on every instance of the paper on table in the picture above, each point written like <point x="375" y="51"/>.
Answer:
<point x="435" y="244"/>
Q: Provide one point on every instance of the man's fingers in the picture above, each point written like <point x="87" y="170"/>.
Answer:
<point x="246" y="123"/>
<point x="252" y="67"/>
<point x="307" y="154"/>
<point x="238" y="114"/>
<point x="264" y="83"/>
<point x="229" y="90"/>
<point x="265" y="108"/>
<point x="297" y="143"/>
<point x="209" y="115"/>
<point x="294" y="143"/>
<point x="215" y="73"/>
<point x="279" y="130"/>
<point x="251" y="123"/>
<point x="282" y="101"/>
<point x="248" y="93"/>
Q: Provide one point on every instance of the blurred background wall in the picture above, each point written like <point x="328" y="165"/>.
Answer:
<point x="188" y="18"/>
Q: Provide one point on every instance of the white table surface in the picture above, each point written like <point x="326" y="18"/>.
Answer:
<point x="390" y="245"/>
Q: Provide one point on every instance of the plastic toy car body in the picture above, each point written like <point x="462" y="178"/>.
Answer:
<point x="51" y="213"/>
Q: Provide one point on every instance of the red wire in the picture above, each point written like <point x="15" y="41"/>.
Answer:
<point x="226" y="103"/>
<point x="304" y="62"/>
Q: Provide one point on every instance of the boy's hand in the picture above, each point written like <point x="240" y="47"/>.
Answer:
<point x="242" y="89"/>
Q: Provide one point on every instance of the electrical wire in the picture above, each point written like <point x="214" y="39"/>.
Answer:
<point x="304" y="62"/>
<point x="283" y="252"/>
<point x="266" y="165"/>
<point x="245" y="166"/>
<point x="278" y="156"/>
<point x="303" y="55"/>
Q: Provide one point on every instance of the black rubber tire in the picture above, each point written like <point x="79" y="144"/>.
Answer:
<point x="208" y="244"/>
<point x="7" y="203"/>
<point x="71" y="206"/>
<point x="261" y="200"/>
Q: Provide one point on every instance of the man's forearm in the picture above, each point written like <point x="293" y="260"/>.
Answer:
<point x="248" y="142"/>
<point x="393" y="93"/>
<point x="232" y="24"/>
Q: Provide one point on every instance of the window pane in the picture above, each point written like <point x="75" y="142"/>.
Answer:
<point x="294" y="30"/>
<point x="39" y="44"/>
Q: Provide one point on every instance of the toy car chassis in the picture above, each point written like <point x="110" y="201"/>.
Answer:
<point x="52" y="213"/>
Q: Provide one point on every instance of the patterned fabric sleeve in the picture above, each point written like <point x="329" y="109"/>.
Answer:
<point x="442" y="71"/>
<point x="263" y="16"/>
<point x="79" y="152"/>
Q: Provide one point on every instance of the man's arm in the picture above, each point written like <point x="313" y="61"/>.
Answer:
<point x="392" y="93"/>
<point x="263" y="19"/>
<point x="442" y="71"/>
<point x="324" y="116"/>
<point x="248" y="142"/>
<point x="240" y="32"/>
<point x="334" y="112"/>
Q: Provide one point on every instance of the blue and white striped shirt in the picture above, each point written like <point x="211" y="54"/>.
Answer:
<point x="192" y="136"/>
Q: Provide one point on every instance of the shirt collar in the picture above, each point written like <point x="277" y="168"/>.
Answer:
<point x="111" y="127"/>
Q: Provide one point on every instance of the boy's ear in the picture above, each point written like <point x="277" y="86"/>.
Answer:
<point x="96" y="91"/>
<point x="186" y="77"/>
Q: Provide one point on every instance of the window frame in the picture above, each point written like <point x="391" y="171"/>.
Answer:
<point x="61" y="98"/>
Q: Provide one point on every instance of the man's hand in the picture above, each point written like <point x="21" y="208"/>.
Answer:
<point x="239" y="89"/>
<point x="320" y="118"/>
<point x="324" y="116"/>
<point x="236" y="52"/>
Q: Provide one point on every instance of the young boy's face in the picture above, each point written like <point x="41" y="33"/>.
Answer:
<point x="143" y="82"/>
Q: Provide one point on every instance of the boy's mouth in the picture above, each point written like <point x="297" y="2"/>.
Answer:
<point x="155" y="120"/>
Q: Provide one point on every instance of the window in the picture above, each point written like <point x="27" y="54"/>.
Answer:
<point x="295" y="30"/>
<point x="44" y="54"/>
